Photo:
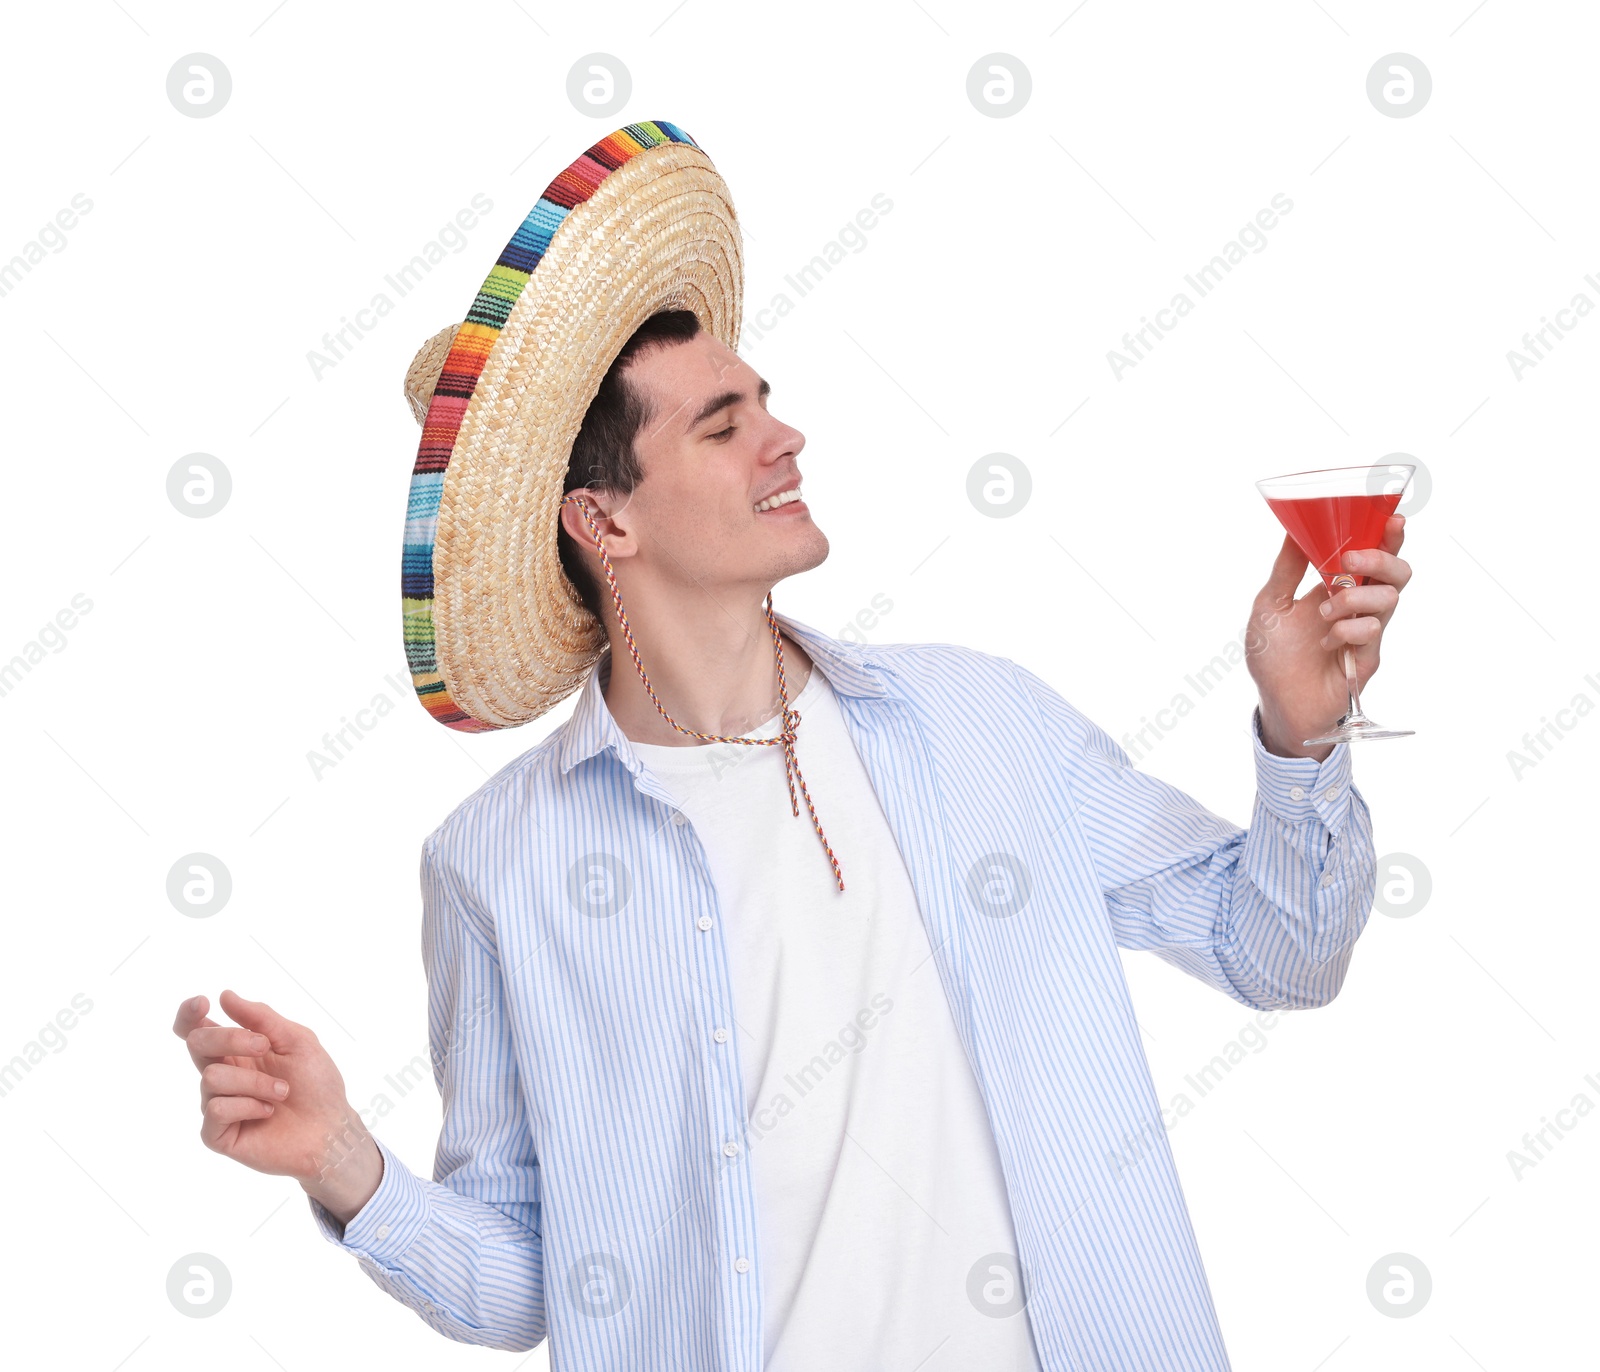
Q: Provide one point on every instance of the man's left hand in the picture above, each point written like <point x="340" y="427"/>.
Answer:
<point x="1295" y="648"/>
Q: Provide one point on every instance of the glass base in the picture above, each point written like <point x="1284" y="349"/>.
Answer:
<point x="1352" y="727"/>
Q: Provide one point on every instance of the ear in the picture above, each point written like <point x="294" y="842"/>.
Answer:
<point x="618" y="538"/>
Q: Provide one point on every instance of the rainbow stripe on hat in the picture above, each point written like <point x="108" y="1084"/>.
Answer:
<point x="464" y="364"/>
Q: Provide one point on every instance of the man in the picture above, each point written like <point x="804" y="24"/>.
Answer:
<point x="730" y="1087"/>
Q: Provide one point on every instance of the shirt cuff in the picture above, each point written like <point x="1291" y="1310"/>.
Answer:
<point x="392" y="1217"/>
<point x="1301" y="788"/>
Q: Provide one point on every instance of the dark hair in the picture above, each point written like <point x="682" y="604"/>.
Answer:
<point x="603" y="456"/>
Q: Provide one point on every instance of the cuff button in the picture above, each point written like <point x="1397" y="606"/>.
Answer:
<point x="1297" y="793"/>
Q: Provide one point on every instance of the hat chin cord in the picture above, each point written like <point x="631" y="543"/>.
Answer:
<point x="791" y="717"/>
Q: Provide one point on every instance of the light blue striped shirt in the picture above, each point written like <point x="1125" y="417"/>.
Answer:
<point x="592" y="1182"/>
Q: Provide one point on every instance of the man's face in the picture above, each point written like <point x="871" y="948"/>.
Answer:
<point x="710" y="452"/>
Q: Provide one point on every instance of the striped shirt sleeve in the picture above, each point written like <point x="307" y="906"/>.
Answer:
<point x="1268" y="915"/>
<point x="463" y="1250"/>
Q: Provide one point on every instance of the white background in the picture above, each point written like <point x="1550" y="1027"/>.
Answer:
<point x="178" y="715"/>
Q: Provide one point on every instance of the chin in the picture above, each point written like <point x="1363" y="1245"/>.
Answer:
<point x="806" y="549"/>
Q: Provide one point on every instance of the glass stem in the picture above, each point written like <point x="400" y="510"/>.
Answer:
<point x="1347" y="656"/>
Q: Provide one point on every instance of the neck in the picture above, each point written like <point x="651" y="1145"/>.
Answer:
<point x="714" y="669"/>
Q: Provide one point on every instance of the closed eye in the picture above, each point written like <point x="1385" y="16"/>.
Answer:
<point x="722" y="434"/>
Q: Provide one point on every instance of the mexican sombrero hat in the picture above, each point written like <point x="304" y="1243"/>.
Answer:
<point x="495" y="632"/>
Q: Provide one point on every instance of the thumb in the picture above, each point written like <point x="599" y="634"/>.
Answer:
<point x="259" y="1016"/>
<point x="1287" y="570"/>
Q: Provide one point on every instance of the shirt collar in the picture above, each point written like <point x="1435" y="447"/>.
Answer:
<point x="849" y="667"/>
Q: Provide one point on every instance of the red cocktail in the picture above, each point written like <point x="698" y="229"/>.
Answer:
<point x="1326" y="526"/>
<point x="1328" y="513"/>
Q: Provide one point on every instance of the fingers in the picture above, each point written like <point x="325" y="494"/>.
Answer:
<point x="1377" y="565"/>
<point x="223" y="1112"/>
<point x="1356" y="631"/>
<point x="1394" y="533"/>
<point x="224" y="1079"/>
<point x="1377" y="599"/>
<point x="190" y="1013"/>
<point x="210" y="1043"/>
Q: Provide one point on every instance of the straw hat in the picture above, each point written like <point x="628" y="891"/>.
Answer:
<point x="495" y="632"/>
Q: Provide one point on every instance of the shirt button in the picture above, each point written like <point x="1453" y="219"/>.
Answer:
<point x="704" y="921"/>
<point x="1329" y="879"/>
<point x="1297" y="793"/>
<point x="383" y="1231"/>
<point x="1332" y="793"/>
<point x="741" y="1264"/>
<point x="731" y="1149"/>
<point x="678" y="817"/>
<point x="720" y="1034"/>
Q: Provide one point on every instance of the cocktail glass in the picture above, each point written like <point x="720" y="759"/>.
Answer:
<point x="1327" y="512"/>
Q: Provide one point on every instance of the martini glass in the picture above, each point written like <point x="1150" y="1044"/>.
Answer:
<point x="1327" y="512"/>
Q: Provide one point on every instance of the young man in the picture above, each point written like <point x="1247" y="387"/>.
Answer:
<point x="742" y="1067"/>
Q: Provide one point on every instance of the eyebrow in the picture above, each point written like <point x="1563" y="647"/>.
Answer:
<point x="721" y="402"/>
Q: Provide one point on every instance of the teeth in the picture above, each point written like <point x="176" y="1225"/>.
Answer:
<point x="782" y="498"/>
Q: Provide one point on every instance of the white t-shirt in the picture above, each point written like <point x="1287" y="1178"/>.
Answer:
<point x="881" y="1201"/>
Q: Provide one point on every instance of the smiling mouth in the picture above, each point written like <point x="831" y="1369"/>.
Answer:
<point x="777" y="502"/>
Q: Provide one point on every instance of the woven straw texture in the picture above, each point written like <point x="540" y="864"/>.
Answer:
<point x="495" y="633"/>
